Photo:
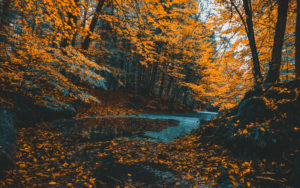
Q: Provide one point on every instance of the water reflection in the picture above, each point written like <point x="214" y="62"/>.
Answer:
<point x="107" y="128"/>
<point x="158" y="127"/>
<point x="186" y="123"/>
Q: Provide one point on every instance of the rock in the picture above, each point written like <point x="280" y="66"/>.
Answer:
<point x="253" y="110"/>
<point x="7" y="137"/>
<point x="6" y="161"/>
<point x="294" y="178"/>
<point x="28" y="114"/>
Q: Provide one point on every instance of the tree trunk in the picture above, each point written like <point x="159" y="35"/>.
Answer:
<point x="72" y="19"/>
<point x="169" y="86"/>
<point x="87" y="40"/>
<point x="73" y="42"/>
<point x="177" y="92"/>
<point x="251" y="37"/>
<point x="162" y="83"/>
<point x="153" y="77"/>
<point x="287" y="66"/>
<point x="297" y="57"/>
<point x="135" y="75"/>
<point x="274" y="70"/>
<point x="4" y="23"/>
<point x="186" y="94"/>
<point x="140" y="77"/>
<point x="128" y="76"/>
<point x="75" y="20"/>
<point x="4" y="14"/>
<point x="172" y="97"/>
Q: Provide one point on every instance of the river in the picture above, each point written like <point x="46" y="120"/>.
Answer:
<point x="150" y="127"/>
<point x="141" y="126"/>
<point x="186" y="123"/>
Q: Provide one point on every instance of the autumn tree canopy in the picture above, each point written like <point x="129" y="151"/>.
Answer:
<point x="53" y="52"/>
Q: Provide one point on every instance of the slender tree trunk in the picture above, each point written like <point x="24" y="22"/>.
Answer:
<point x="274" y="70"/>
<point x="72" y="19"/>
<point x="125" y="74"/>
<point x="85" y="17"/>
<point x="128" y="81"/>
<point x="297" y="57"/>
<point x="110" y="81"/>
<point x="177" y="92"/>
<point x="33" y="26"/>
<point x="162" y="83"/>
<point x="286" y="57"/>
<point x="140" y="77"/>
<point x="136" y="71"/>
<point x="251" y="37"/>
<point x="169" y="86"/>
<point x="153" y="77"/>
<point x="287" y="66"/>
<point x="75" y="20"/>
<point x="4" y="19"/>
<point x="87" y="40"/>
<point x="136" y="76"/>
<point x="172" y="97"/>
<point x="73" y="43"/>
<point x="4" y="23"/>
<point x="186" y="94"/>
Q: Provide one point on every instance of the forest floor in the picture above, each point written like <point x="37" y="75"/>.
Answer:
<point x="46" y="156"/>
<point x="59" y="156"/>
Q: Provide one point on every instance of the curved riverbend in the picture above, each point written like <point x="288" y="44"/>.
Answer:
<point x="187" y="122"/>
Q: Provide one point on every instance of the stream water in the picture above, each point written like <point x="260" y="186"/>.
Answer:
<point x="186" y="123"/>
<point x="157" y="127"/>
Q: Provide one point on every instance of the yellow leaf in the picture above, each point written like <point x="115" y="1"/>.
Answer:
<point x="262" y="129"/>
<point x="52" y="183"/>
<point x="248" y="184"/>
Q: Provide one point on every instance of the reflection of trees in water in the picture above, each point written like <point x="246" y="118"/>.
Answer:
<point x="109" y="128"/>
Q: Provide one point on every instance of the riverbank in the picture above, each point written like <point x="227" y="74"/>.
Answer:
<point x="17" y="119"/>
<point x="65" y="155"/>
<point x="88" y="142"/>
<point x="91" y="149"/>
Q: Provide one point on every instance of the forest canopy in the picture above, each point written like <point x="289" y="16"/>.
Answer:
<point x="53" y="52"/>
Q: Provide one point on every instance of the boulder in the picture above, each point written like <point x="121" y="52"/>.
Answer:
<point x="7" y="137"/>
<point x="294" y="178"/>
<point x="253" y="110"/>
<point x="27" y="114"/>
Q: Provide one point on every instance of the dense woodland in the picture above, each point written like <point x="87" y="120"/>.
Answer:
<point x="238" y="57"/>
<point x="52" y="51"/>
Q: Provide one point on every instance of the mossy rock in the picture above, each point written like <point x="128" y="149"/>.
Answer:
<point x="7" y="137"/>
<point x="253" y="110"/>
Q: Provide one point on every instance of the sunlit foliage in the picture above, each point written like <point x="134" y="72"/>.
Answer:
<point x="264" y="18"/>
<point x="34" y="67"/>
<point x="161" y="44"/>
